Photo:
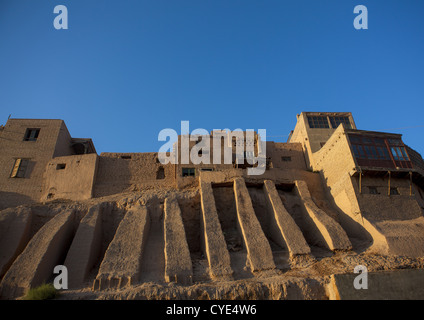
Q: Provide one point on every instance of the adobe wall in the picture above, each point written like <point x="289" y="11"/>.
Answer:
<point x="276" y="151"/>
<point x="310" y="139"/>
<point x="380" y="207"/>
<point x="335" y="161"/>
<point x="17" y="191"/>
<point x="382" y="285"/>
<point x="70" y="177"/>
<point x="123" y="172"/>
<point x="63" y="144"/>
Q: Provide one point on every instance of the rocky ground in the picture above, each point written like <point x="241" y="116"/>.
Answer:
<point x="307" y="279"/>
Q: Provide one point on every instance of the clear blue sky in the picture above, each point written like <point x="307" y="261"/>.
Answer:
<point x="124" y="70"/>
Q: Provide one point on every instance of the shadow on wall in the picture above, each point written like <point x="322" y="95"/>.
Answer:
<point x="13" y="199"/>
<point x="358" y="235"/>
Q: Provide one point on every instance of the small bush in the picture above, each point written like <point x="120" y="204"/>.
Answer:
<point x="43" y="292"/>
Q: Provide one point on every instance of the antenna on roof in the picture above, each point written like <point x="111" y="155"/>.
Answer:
<point x="9" y="116"/>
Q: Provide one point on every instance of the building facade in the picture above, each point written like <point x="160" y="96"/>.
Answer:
<point x="331" y="187"/>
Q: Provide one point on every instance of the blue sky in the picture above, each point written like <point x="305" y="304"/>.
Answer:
<point x="124" y="70"/>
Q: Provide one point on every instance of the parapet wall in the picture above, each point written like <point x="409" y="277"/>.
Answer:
<point x="123" y="172"/>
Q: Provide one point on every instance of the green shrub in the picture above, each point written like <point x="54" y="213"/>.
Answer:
<point x="43" y="292"/>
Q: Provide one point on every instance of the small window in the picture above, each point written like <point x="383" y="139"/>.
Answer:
<point x="394" y="191"/>
<point x="19" y="168"/>
<point x="31" y="134"/>
<point x="188" y="172"/>
<point x="61" y="166"/>
<point x="373" y="190"/>
<point x="126" y="157"/>
<point x="160" y="173"/>
<point x="286" y="159"/>
<point x="206" y="169"/>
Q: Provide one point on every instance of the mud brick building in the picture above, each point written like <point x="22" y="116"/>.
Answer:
<point x="121" y="220"/>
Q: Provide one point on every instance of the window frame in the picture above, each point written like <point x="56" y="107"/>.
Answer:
<point x="189" y="172"/>
<point x="19" y="168"/>
<point x="318" y="122"/>
<point x="31" y="134"/>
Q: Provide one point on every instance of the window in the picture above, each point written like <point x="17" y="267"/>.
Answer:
<point x="394" y="142"/>
<point x="336" y="121"/>
<point x="374" y="148"/>
<point x="394" y="191"/>
<point x="318" y="122"/>
<point x="126" y="157"/>
<point x="19" y="168"/>
<point x="383" y="153"/>
<point x="206" y="169"/>
<point x="355" y="139"/>
<point x="359" y="151"/>
<point x="373" y="190"/>
<point x="399" y="153"/>
<point x="160" y="173"/>
<point x="188" y="172"/>
<point x="286" y="159"/>
<point x="31" y="134"/>
<point x="61" y="166"/>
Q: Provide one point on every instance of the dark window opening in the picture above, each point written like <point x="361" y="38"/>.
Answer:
<point x="286" y="159"/>
<point x="337" y="120"/>
<point x="268" y="163"/>
<point x="188" y="172"/>
<point x="31" y="134"/>
<point x="318" y="122"/>
<point x="206" y="169"/>
<point x="61" y="166"/>
<point x="19" y="168"/>
<point x="394" y="191"/>
<point x="373" y="190"/>
<point x="126" y="157"/>
<point x="160" y="173"/>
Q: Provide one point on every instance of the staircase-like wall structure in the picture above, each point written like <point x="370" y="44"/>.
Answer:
<point x="153" y="242"/>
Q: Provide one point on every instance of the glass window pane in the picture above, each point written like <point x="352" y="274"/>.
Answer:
<point x="318" y="122"/>
<point x="367" y="140"/>
<point x="355" y="151"/>
<point x="361" y="151"/>
<point x="355" y="139"/>
<point x="395" y="156"/>
<point x="400" y="155"/>
<point x="383" y="153"/>
<point x="379" y="141"/>
<point x="405" y="156"/>
<point x="394" y="142"/>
